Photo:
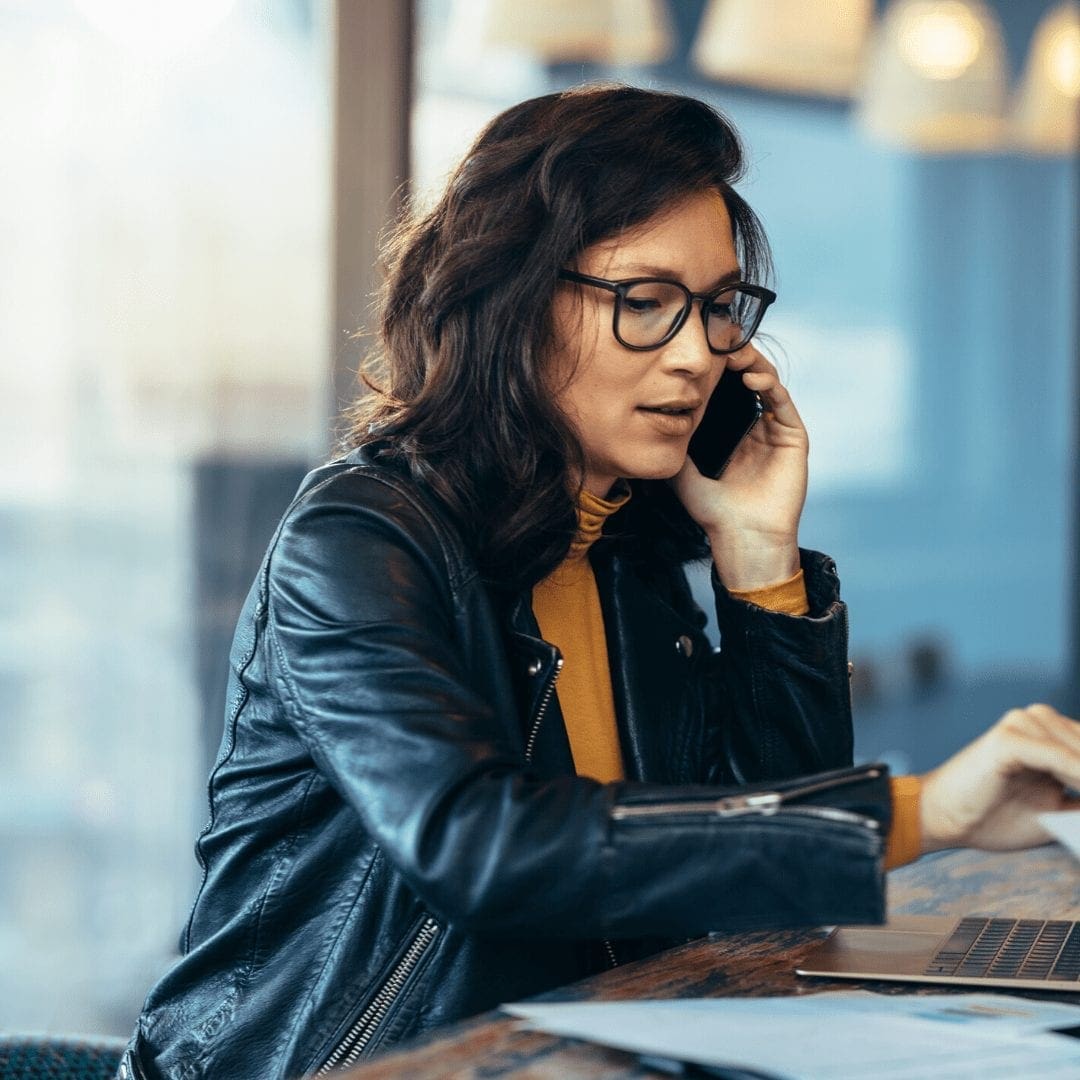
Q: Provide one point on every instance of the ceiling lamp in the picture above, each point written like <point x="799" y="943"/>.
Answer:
<point x="796" y="46"/>
<point x="603" y="31"/>
<point x="1047" y="115"/>
<point x="935" y="77"/>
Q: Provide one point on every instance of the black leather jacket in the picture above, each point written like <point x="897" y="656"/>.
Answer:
<point x="397" y="838"/>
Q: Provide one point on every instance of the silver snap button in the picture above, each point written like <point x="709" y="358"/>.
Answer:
<point x="123" y="1070"/>
<point x="535" y="667"/>
<point x="685" y="645"/>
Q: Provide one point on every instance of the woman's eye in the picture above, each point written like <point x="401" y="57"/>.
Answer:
<point x="719" y="310"/>
<point x="642" y="305"/>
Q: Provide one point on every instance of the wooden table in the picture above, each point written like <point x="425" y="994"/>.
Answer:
<point x="1044" y="883"/>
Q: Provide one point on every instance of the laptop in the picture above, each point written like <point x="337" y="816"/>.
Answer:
<point x="1032" y="954"/>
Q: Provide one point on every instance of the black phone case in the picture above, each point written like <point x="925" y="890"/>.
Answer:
<point x="731" y="412"/>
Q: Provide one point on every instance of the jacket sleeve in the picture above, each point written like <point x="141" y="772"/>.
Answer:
<point x="779" y="702"/>
<point x="369" y="662"/>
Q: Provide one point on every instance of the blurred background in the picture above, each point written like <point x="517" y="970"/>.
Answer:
<point x="190" y="200"/>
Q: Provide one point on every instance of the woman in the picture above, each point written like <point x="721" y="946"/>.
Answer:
<point x="409" y="822"/>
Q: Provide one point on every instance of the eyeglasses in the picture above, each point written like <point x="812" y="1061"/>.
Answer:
<point x="649" y="312"/>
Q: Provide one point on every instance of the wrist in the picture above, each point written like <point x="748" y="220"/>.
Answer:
<point x="937" y="830"/>
<point x="746" y="565"/>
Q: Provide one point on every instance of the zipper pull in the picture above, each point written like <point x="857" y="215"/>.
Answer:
<point x="756" y="802"/>
<point x="764" y="801"/>
<point x="854" y="776"/>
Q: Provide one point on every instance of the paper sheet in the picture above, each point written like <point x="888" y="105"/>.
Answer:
<point x="1009" y="1015"/>
<point x="1063" y="826"/>
<point x="844" y="1036"/>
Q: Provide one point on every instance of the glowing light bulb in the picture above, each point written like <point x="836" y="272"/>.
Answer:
<point x="940" y="39"/>
<point x="1063" y="59"/>
<point x="1046" y="115"/>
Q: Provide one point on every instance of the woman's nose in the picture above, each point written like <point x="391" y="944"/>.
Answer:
<point x="689" y="349"/>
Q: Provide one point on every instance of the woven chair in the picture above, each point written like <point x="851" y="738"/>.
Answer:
<point x="24" y="1057"/>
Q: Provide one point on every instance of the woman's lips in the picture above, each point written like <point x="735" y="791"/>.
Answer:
<point x="669" y="422"/>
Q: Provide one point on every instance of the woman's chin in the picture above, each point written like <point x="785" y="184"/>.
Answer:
<point x="664" y="468"/>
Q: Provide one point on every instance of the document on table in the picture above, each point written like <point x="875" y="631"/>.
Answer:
<point x="835" y="1036"/>
<point x="1063" y="826"/>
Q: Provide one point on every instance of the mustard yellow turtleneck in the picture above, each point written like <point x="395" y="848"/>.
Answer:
<point x="567" y="608"/>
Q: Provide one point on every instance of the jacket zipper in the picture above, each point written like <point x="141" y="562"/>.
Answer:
<point x="530" y="747"/>
<point x="847" y="645"/>
<point x="610" y="950"/>
<point x="761" y="803"/>
<point x="545" y="701"/>
<point x="359" y="1035"/>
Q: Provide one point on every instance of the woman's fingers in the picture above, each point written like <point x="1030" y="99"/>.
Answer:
<point x="750" y="358"/>
<point x="1055" y="722"/>
<point x="760" y="375"/>
<point x="1041" y="738"/>
<point x="775" y="397"/>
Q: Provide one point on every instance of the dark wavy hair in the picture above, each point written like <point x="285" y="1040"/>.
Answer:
<point x="460" y="391"/>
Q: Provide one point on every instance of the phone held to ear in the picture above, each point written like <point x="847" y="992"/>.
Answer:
<point x="731" y="412"/>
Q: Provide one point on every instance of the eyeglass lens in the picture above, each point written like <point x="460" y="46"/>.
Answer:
<point x="650" y="309"/>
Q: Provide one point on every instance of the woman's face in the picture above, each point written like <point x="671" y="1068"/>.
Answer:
<point x="634" y="412"/>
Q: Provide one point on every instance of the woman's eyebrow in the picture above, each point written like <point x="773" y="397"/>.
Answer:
<point x="651" y="271"/>
<point x="726" y="279"/>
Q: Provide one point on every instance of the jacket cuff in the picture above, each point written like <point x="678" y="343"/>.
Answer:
<point x="796" y="672"/>
<point x="800" y="852"/>
<point x="788" y="597"/>
<point x="819" y="577"/>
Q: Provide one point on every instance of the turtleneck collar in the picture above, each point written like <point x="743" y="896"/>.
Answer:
<point x="592" y="512"/>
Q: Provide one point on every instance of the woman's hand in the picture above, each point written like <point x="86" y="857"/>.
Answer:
<point x="988" y="795"/>
<point x="751" y="513"/>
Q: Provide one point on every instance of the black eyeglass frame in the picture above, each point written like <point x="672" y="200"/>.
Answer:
<point x="621" y="288"/>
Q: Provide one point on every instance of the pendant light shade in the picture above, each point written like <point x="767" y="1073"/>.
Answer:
<point x="797" y="46"/>
<point x="1047" y="115"/>
<point x="936" y="77"/>
<point x="605" y="31"/>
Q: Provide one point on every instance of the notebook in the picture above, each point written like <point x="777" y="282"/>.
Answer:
<point x="1034" y="954"/>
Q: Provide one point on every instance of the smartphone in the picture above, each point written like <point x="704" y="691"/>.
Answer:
<point x="731" y="412"/>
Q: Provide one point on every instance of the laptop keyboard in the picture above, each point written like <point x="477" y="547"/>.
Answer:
<point x="1010" y="949"/>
